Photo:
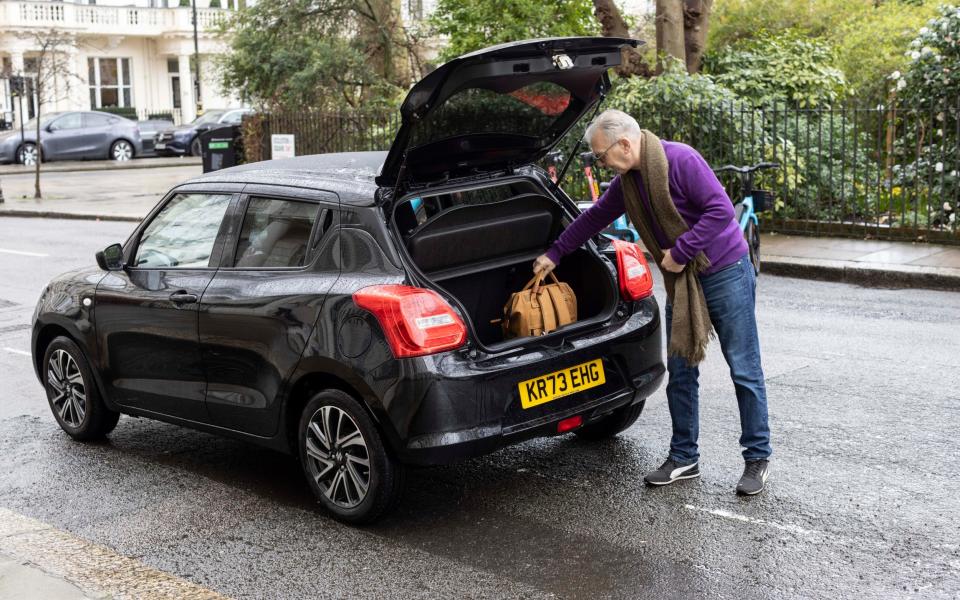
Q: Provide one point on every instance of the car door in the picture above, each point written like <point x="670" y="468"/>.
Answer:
<point x="146" y="314"/>
<point x="261" y="306"/>
<point x="64" y="137"/>
<point x="98" y="134"/>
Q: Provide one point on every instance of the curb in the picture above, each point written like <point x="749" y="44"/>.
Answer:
<point x="878" y="275"/>
<point x="50" y="214"/>
<point x="8" y="171"/>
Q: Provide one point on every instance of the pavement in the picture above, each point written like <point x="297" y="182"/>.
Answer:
<point x="153" y="162"/>
<point x="133" y="191"/>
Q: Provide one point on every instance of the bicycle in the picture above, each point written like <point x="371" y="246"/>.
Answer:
<point x="752" y="201"/>
<point x="621" y="229"/>
<point x="554" y="158"/>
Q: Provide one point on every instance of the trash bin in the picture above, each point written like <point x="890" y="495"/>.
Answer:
<point x="218" y="147"/>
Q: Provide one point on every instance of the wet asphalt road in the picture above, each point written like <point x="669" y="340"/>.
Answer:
<point x="864" y="391"/>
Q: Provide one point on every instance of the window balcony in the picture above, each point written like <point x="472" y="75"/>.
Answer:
<point x="106" y="20"/>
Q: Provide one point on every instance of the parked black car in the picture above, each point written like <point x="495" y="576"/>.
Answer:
<point x="73" y="135"/>
<point x="317" y="307"/>
<point x="149" y="130"/>
<point x="185" y="139"/>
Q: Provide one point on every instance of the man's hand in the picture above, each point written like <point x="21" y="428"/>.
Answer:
<point x="669" y="264"/>
<point x="542" y="267"/>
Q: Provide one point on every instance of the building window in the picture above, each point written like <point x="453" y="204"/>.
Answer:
<point x="111" y="82"/>
<point x="416" y="9"/>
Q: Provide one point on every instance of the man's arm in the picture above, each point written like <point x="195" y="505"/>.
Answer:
<point x="594" y="220"/>
<point x="702" y="188"/>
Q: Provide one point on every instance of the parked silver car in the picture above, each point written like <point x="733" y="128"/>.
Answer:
<point x="73" y="135"/>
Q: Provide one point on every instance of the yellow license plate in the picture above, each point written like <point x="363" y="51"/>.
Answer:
<point x="558" y="384"/>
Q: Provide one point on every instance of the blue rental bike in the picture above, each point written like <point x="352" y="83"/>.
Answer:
<point x="752" y="201"/>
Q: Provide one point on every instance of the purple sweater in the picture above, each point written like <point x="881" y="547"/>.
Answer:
<point x="699" y="198"/>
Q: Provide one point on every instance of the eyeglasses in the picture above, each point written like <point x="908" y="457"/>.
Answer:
<point x="598" y="158"/>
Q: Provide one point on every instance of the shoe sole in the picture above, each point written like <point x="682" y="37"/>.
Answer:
<point x="674" y="480"/>
<point x="743" y="493"/>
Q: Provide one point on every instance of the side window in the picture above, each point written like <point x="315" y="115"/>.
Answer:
<point x="183" y="232"/>
<point x="71" y="121"/>
<point x="95" y="120"/>
<point x="276" y="233"/>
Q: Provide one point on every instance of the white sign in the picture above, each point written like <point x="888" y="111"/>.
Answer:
<point x="282" y="145"/>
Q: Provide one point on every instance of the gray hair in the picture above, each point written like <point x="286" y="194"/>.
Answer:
<point x="615" y="125"/>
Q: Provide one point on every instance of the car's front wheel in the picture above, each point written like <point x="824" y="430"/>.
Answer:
<point x="72" y="393"/>
<point x="121" y="150"/>
<point x="28" y="154"/>
<point x="195" y="146"/>
<point x="617" y="421"/>
<point x="348" y="468"/>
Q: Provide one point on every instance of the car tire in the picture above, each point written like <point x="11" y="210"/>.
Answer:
<point x="72" y="392"/>
<point x="121" y="150"/>
<point x="753" y="242"/>
<point x="353" y="475"/>
<point x="195" y="146"/>
<point x="27" y="154"/>
<point x="619" y="420"/>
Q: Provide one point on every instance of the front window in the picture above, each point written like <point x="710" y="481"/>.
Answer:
<point x="111" y="82"/>
<point x="183" y="232"/>
<point x="68" y="121"/>
<point x="211" y="116"/>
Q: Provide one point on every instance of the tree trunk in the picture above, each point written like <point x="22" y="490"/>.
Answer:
<point x="696" y="15"/>
<point x="381" y="30"/>
<point x="613" y="25"/>
<point x="670" y="31"/>
<point x="36" y="183"/>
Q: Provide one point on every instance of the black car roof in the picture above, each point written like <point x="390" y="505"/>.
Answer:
<point x="349" y="174"/>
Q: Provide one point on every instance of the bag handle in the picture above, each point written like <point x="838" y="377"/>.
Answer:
<point x="538" y="278"/>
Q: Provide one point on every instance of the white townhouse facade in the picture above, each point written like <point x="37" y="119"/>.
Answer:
<point x="122" y="53"/>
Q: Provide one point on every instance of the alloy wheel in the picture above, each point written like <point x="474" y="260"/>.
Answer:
<point x="122" y="151"/>
<point x="338" y="458"/>
<point x="66" y="383"/>
<point x="28" y="155"/>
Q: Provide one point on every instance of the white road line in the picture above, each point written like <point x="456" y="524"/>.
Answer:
<point x="17" y="351"/>
<point x="744" y="519"/>
<point x="22" y="253"/>
<point x="95" y="569"/>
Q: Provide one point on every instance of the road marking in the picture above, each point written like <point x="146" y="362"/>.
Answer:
<point x="17" y="351"/>
<point x="95" y="569"/>
<point x="744" y="519"/>
<point x="22" y="253"/>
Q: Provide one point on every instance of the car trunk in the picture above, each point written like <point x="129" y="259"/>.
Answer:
<point x="481" y="251"/>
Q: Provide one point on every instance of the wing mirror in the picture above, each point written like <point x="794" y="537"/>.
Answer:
<point x="111" y="258"/>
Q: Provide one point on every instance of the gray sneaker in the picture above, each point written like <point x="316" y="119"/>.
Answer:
<point x="754" y="477"/>
<point x="671" y="471"/>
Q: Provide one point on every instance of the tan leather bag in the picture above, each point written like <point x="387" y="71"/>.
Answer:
<point x="527" y="314"/>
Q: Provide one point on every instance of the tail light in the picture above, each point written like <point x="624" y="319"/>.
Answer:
<point x="416" y="321"/>
<point x="636" y="280"/>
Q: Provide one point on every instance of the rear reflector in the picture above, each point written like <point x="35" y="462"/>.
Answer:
<point x="636" y="280"/>
<point x="415" y="321"/>
<point x="569" y="424"/>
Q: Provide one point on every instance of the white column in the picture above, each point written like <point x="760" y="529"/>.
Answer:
<point x="187" y="107"/>
<point x="16" y="63"/>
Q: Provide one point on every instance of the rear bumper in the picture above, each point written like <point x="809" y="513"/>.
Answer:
<point x="457" y="408"/>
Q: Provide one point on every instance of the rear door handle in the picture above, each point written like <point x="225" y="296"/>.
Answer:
<point x="183" y="297"/>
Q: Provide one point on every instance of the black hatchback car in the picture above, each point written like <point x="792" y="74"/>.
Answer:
<point x="339" y="307"/>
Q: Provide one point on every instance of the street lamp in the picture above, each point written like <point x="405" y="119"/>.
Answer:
<point x="196" y="60"/>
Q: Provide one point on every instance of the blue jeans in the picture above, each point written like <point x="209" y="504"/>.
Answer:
<point x="731" y="295"/>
